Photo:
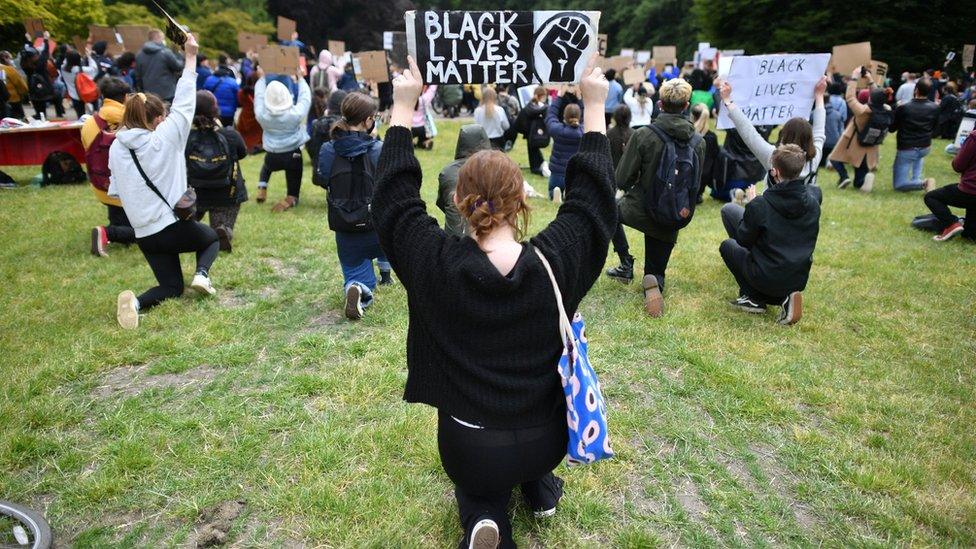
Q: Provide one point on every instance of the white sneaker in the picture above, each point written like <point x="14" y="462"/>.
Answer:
<point x="928" y="185"/>
<point x="127" y="313"/>
<point x="201" y="284"/>
<point x="484" y="535"/>
<point x="354" y="302"/>
<point x="557" y="195"/>
<point x="868" y="185"/>
<point x="545" y="170"/>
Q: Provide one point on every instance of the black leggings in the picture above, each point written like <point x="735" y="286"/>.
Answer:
<point x="939" y="201"/>
<point x="162" y="251"/>
<point x="535" y="160"/>
<point x="119" y="229"/>
<point x="291" y="162"/>
<point x="79" y="106"/>
<point x="486" y="464"/>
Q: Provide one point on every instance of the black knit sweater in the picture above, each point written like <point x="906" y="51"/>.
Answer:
<point x="481" y="346"/>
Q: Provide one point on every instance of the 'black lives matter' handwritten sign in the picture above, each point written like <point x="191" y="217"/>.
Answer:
<point x="771" y="89"/>
<point x="503" y="47"/>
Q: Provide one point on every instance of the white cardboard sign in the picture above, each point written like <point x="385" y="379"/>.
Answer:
<point x="771" y="89"/>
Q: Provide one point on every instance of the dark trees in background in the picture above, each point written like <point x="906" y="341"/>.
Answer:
<point x="360" y="23"/>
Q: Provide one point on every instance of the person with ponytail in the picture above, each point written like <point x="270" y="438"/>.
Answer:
<point x="490" y="116"/>
<point x="347" y="165"/>
<point x="213" y="154"/>
<point x="566" y="135"/>
<point x="149" y="176"/>
<point x="483" y="337"/>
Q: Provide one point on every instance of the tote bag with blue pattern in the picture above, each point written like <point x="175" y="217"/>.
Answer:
<point x="586" y="411"/>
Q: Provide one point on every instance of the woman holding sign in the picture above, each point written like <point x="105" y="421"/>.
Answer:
<point x="483" y="341"/>
<point x="850" y="150"/>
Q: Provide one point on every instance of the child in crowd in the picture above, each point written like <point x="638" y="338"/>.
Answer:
<point x="284" y="133"/>
<point x="566" y="135"/>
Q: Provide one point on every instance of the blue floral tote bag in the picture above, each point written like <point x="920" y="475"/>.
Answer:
<point x="586" y="411"/>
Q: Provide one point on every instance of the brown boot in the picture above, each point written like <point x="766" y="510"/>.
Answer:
<point x="653" y="299"/>
<point x="262" y="195"/>
<point x="286" y="203"/>
<point x="224" y="236"/>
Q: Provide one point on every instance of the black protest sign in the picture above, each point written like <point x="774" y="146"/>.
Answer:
<point x="502" y="47"/>
<point x="398" y="51"/>
<point x="175" y="32"/>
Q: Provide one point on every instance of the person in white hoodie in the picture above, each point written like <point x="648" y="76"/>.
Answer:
<point x="74" y="64"/>
<point x="148" y="149"/>
<point x="285" y="133"/>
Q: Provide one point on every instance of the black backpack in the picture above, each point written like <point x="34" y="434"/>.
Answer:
<point x="60" y="168"/>
<point x="208" y="161"/>
<point x="671" y="200"/>
<point x="39" y="88"/>
<point x="874" y="132"/>
<point x="350" y="193"/>
<point x="538" y="135"/>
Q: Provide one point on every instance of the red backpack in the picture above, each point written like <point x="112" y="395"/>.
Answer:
<point x="86" y="87"/>
<point x="96" y="157"/>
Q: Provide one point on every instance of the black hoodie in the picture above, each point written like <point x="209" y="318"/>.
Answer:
<point x="780" y="229"/>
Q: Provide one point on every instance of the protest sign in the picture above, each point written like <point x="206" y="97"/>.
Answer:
<point x="133" y="36"/>
<point x="79" y="43"/>
<point x="278" y="59"/>
<point x="771" y="89"/>
<point x="642" y="57"/>
<point x="525" y="94"/>
<point x="372" y="65"/>
<point x="398" y="54"/>
<point x="664" y="55"/>
<point x="387" y="40"/>
<point x="337" y="47"/>
<point x="502" y="47"/>
<point x="98" y="33"/>
<point x="880" y="70"/>
<point x="627" y="52"/>
<point x="285" y="28"/>
<point x="848" y="57"/>
<point x="967" y="55"/>
<point x="34" y="27"/>
<point x="175" y="32"/>
<point x="724" y="64"/>
<point x="601" y="40"/>
<point x="249" y="41"/>
<point x="634" y="76"/>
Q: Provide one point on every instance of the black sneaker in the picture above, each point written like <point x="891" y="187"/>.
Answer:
<point x="623" y="273"/>
<point x="386" y="278"/>
<point x="747" y="304"/>
<point x="792" y="309"/>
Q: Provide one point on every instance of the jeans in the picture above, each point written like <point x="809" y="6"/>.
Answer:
<point x="356" y="254"/>
<point x="162" y="251"/>
<point x="119" y="229"/>
<point x="725" y="192"/>
<point x="736" y="257"/>
<point x="841" y="170"/>
<point x="486" y="464"/>
<point x="939" y="201"/>
<point x="291" y="162"/>
<point x="909" y="160"/>
<point x="557" y="180"/>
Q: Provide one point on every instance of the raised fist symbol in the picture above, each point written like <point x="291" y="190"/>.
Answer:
<point x="563" y="44"/>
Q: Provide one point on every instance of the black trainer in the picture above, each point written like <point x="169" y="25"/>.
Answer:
<point x="386" y="278"/>
<point x="623" y="273"/>
<point x="749" y="305"/>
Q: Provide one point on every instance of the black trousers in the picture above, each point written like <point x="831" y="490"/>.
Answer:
<point x="620" y="245"/>
<point x="291" y="162"/>
<point x="535" y="160"/>
<point x="119" y="229"/>
<point x="227" y="121"/>
<point x="420" y="134"/>
<point x="486" y="464"/>
<point x="162" y="250"/>
<point x="736" y="258"/>
<point x="79" y="106"/>
<point x="16" y="110"/>
<point x="41" y="106"/>
<point x="939" y="201"/>
<point x="860" y="172"/>
<point x="657" y="254"/>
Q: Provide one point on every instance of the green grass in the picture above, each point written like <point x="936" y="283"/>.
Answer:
<point x="853" y="428"/>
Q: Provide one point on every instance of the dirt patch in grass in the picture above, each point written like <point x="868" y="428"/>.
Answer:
<point x="132" y="380"/>
<point x="782" y="482"/>
<point x="283" y="269"/>
<point x="215" y="522"/>
<point x="324" y="320"/>
<point x="268" y="533"/>
<point x="231" y="300"/>
<point x="690" y="500"/>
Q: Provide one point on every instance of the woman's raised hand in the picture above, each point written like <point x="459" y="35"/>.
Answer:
<point x="594" y="86"/>
<point x="406" y="91"/>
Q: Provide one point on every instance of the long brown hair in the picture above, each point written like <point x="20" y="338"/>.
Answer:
<point x="356" y="108"/>
<point x="489" y="99"/>
<point x="798" y="132"/>
<point x="141" y="109"/>
<point x="491" y="193"/>
<point x="572" y="114"/>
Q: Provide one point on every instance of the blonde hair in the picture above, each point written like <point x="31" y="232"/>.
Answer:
<point x="491" y="192"/>
<point x="700" y="115"/>
<point x="675" y="94"/>
<point x="489" y="100"/>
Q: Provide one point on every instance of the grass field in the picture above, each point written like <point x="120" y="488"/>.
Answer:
<point x="854" y="427"/>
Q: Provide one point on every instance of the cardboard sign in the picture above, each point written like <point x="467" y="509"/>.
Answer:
<point x="278" y="59"/>
<point x="248" y="41"/>
<point x="133" y="36"/>
<point x="502" y="47"/>
<point x="372" y="66"/>
<point x="880" y="69"/>
<point x="98" y="33"/>
<point x="634" y="76"/>
<point x="525" y="94"/>
<point x="967" y="55"/>
<point x="387" y="40"/>
<point x="34" y="27"/>
<point x="337" y="47"/>
<point x="285" y="28"/>
<point x="601" y="40"/>
<point x="642" y="57"/>
<point x="619" y="63"/>
<point x="80" y="44"/>
<point x="771" y="89"/>
<point x="848" y="57"/>
<point x="663" y="56"/>
<point x="627" y="52"/>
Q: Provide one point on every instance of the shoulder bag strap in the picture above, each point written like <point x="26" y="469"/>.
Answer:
<point x="145" y="177"/>
<point x="565" y="328"/>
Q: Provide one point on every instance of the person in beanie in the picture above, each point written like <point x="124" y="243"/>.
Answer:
<point x="283" y="124"/>
<point x="771" y="241"/>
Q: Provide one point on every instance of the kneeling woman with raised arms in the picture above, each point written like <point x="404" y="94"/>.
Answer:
<point x="483" y="340"/>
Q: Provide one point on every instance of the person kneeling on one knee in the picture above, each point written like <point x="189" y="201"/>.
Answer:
<point x="771" y="240"/>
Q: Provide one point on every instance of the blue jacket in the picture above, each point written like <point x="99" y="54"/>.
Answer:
<point x="203" y="73"/>
<point x="834" y="126"/>
<point x="348" y="145"/>
<point x="224" y="87"/>
<point x="840" y="105"/>
<point x="615" y="96"/>
<point x="565" y="139"/>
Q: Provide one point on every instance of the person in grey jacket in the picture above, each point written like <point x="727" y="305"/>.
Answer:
<point x="157" y="67"/>
<point x="471" y="139"/>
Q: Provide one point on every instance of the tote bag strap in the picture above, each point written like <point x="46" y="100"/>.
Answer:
<point x="145" y="177"/>
<point x="565" y="327"/>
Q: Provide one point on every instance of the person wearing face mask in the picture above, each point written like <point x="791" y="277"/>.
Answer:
<point x="348" y="165"/>
<point x="771" y="240"/>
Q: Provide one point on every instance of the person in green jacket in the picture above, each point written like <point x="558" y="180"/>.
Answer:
<point x="636" y="173"/>
<point x="471" y="139"/>
<point x="450" y="96"/>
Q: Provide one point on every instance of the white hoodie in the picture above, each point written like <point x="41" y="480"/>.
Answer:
<point x="160" y="154"/>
